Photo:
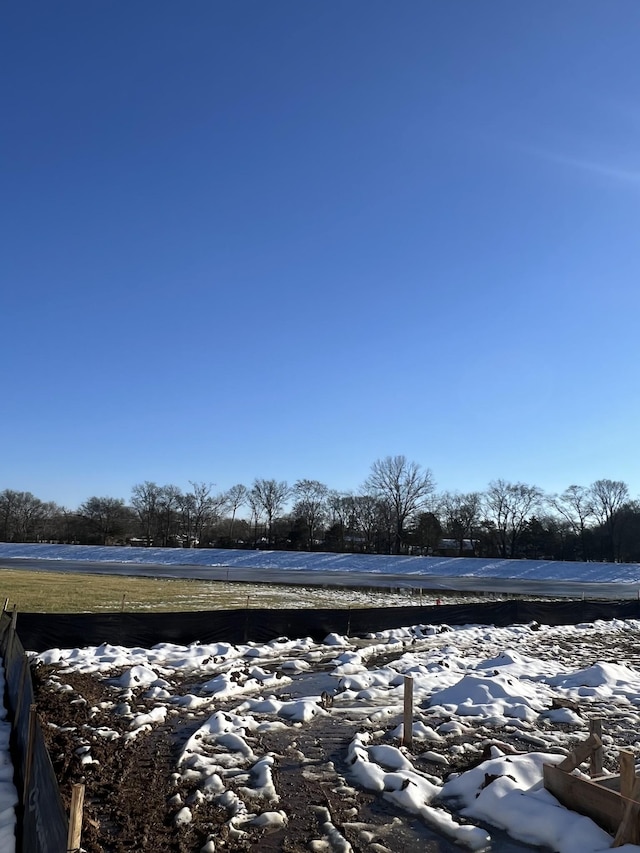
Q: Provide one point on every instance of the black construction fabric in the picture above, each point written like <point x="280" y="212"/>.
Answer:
<point x="42" y="822"/>
<point x="40" y="631"/>
<point x="45" y="825"/>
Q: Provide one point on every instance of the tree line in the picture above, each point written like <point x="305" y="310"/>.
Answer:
<point x="396" y="510"/>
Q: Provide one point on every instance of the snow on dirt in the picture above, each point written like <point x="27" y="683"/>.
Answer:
<point x="294" y="744"/>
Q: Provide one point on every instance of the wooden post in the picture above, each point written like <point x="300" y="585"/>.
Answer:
<point x="124" y="595"/>
<point x="349" y="622"/>
<point x="627" y="773"/>
<point x="12" y="633"/>
<point x="29" y="757"/>
<point x="75" y="818"/>
<point x="595" y="759"/>
<point x="628" y="829"/>
<point x="407" y="728"/>
<point x="580" y="753"/>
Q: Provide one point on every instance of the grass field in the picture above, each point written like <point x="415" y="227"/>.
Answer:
<point x="48" y="592"/>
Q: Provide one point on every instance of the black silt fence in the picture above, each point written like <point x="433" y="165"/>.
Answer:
<point x="42" y="821"/>
<point x="39" y="631"/>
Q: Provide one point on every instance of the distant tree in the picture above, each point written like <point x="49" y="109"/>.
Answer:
<point x="203" y="508"/>
<point x="270" y="496"/>
<point x="310" y="506"/>
<point x="608" y="498"/>
<point x="507" y="507"/>
<point x="404" y="485"/>
<point x="461" y="514"/>
<point x="543" y="537"/>
<point x="23" y="516"/>
<point x="426" y="532"/>
<point x="168" y="513"/>
<point x="369" y="523"/>
<point x="235" y="498"/>
<point x="575" y="506"/>
<point x="145" y="499"/>
<point x="339" y="512"/>
<point x="629" y="532"/>
<point x="257" y="513"/>
<point x="106" y="517"/>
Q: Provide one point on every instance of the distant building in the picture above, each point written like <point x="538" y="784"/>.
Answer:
<point x="451" y="548"/>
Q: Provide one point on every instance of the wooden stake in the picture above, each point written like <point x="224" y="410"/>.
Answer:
<point x="628" y="829"/>
<point x="124" y="595"/>
<point x="12" y="633"/>
<point x="580" y="753"/>
<point x="595" y="759"/>
<point x="75" y="818"/>
<point x="627" y="773"/>
<point x="6" y="604"/>
<point x="407" y="729"/>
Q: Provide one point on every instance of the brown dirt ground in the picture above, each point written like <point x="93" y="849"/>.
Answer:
<point x="128" y="791"/>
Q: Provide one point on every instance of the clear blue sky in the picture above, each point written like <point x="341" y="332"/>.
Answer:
<point x="284" y="239"/>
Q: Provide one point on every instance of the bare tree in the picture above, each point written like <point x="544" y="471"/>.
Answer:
<point x="270" y="496"/>
<point x="205" y="508"/>
<point x="368" y="522"/>
<point x="105" y="516"/>
<point x="406" y="487"/>
<point x="168" y="509"/>
<point x="235" y="498"/>
<point x="575" y="505"/>
<point x="256" y="513"/>
<point x="311" y="505"/>
<point x="508" y="505"/>
<point x="461" y="515"/>
<point x="23" y="516"/>
<point x="609" y="498"/>
<point x="145" y="499"/>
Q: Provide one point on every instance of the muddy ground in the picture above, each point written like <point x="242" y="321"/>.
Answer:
<point x="131" y="791"/>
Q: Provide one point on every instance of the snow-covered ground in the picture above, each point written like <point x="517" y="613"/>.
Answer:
<point x="8" y="793"/>
<point x="476" y="688"/>
<point x="620" y="573"/>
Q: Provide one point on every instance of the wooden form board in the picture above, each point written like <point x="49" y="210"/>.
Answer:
<point x="595" y="799"/>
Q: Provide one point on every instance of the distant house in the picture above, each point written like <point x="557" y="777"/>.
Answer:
<point x="451" y="548"/>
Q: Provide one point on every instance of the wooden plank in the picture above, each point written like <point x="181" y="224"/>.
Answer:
<point x="627" y="773"/>
<point x="602" y="805"/>
<point x="407" y="728"/>
<point x="75" y="818"/>
<point x="597" y="754"/>
<point x="628" y="829"/>
<point x="580" y="753"/>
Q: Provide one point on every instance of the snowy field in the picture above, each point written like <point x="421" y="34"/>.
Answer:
<point x="485" y="722"/>
<point x="329" y="562"/>
<point x="452" y="574"/>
